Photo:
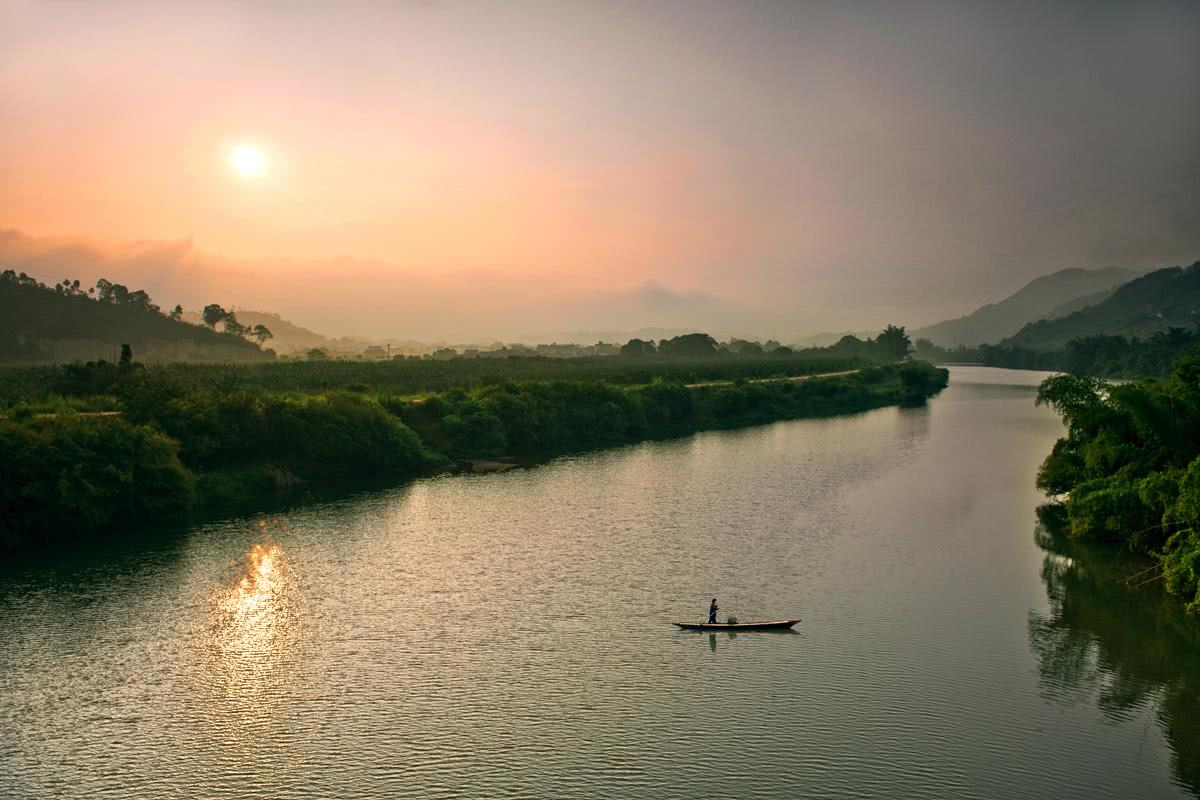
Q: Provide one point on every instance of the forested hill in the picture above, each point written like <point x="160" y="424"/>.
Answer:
<point x="1044" y="298"/>
<point x="1166" y="298"/>
<point x="65" y="322"/>
<point x="286" y="336"/>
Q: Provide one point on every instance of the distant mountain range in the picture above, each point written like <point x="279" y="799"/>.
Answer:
<point x="1049" y="297"/>
<point x="1156" y="301"/>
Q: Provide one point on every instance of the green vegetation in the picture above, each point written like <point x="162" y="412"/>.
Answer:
<point x="63" y="322"/>
<point x="541" y="419"/>
<point x="187" y="441"/>
<point x="1100" y="356"/>
<point x="1129" y="467"/>
<point x="415" y="376"/>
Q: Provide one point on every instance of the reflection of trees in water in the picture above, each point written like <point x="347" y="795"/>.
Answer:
<point x="1131" y="647"/>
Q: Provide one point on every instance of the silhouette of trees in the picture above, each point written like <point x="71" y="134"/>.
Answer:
<point x="212" y="314"/>
<point x="638" y="347"/>
<point x="894" y="343"/>
<point x="743" y="347"/>
<point x="233" y="326"/>
<point x="690" y="344"/>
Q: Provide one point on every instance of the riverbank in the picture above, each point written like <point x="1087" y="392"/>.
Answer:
<point x="1128" y="470"/>
<point x="176" y="449"/>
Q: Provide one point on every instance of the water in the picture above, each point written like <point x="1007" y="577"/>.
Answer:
<point x="505" y="635"/>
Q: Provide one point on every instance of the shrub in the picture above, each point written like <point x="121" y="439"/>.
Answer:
<point x="86" y="473"/>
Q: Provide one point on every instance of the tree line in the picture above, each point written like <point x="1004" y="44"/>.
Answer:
<point x="892" y="344"/>
<point x="177" y="445"/>
<point x="107" y="292"/>
<point x="1105" y="356"/>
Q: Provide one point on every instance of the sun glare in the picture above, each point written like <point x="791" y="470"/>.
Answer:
<point x="248" y="161"/>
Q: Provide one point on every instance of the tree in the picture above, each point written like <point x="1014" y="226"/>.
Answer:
<point x="894" y="343"/>
<point x="317" y="354"/>
<point x="233" y="326"/>
<point x="262" y="333"/>
<point x="141" y="300"/>
<point x="212" y="314"/>
<point x="744" y="347"/>
<point x="126" y="356"/>
<point x="109" y="292"/>
<point x="690" y="344"/>
<point x="925" y="348"/>
<point x="177" y="312"/>
<point x="638" y="347"/>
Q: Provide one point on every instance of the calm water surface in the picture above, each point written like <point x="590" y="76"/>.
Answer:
<point x="506" y="635"/>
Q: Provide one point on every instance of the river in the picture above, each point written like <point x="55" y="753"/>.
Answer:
<point x="507" y="635"/>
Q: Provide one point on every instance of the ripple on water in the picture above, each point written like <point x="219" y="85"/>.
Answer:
<point x="506" y="635"/>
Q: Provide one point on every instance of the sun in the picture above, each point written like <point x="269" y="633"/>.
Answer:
<point x="248" y="160"/>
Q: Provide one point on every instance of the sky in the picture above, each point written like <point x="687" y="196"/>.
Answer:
<point x="460" y="170"/>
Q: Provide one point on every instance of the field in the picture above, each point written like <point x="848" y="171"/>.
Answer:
<point x="414" y="376"/>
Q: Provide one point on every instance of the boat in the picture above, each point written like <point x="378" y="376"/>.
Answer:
<point x="778" y="625"/>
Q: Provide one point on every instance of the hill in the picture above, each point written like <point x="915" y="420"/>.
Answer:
<point x="1051" y="295"/>
<point x="1163" y="299"/>
<point x="286" y="337"/>
<point x="40" y="324"/>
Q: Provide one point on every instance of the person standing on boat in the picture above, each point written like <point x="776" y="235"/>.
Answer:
<point x="712" y="612"/>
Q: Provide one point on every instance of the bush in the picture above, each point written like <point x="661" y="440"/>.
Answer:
<point x="86" y="473"/>
<point x="1108" y="509"/>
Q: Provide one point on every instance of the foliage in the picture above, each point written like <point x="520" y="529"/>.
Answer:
<point x="691" y="344"/>
<point x="335" y="433"/>
<point x="73" y="473"/>
<point x="1101" y="355"/>
<point x="894" y="343"/>
<point x="178" y="429"/>
<point x="544" y="418"/>
<point x="415" y="376"/>
<point x="638" y="347"/>
<point x="1129" y="466"/>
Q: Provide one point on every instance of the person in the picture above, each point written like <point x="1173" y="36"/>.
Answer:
<point x="712" y="612"/>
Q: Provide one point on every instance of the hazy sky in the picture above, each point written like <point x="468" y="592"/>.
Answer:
<point x="504" y="168"/>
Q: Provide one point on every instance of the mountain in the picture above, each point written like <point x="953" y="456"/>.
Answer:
<point x="40" y="324"/>
<point x="1165" y="298"/>
<point x="1047" y="297"/>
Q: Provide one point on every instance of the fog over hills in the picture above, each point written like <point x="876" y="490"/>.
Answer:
<point x="377" y="301"/>
<point x="1047" y="297"/>
<point x="1154" y="302"/>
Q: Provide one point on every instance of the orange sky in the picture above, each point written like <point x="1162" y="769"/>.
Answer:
<point x="790" y="157"/>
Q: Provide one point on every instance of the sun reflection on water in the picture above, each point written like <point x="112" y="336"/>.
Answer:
<point x="255" y="634"/>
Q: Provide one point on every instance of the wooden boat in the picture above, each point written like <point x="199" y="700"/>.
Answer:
<point x="778" y="625"/>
